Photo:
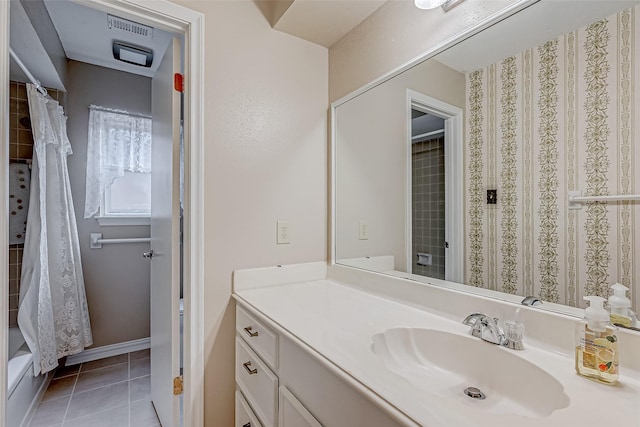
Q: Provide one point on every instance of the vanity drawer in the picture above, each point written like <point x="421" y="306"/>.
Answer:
<point x="257" y="383"/>
<point x="259" y="337"/>
<point x="244" y="415"/>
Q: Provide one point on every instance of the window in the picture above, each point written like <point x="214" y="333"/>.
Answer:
<point x="118" y="188"/>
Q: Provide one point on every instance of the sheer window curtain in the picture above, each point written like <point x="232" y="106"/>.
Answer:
<point x="118" y="142"/>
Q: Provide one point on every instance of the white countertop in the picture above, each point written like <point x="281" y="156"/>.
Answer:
<point x="338" y="321"/>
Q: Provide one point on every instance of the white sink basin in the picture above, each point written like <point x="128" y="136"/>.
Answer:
<point x="445" y="364"/>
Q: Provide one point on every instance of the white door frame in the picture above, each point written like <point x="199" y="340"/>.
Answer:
<point x="178" y="20"/>
<point x="4" y="196"/>
<point x="454" y="181"/>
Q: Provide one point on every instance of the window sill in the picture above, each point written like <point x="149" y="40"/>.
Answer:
<point x="109" y="221"/>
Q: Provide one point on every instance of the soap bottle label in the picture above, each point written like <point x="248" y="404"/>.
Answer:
<point x="599" y="354"/>
<point x="589" y="348"/>
<point x="607" y="355"/>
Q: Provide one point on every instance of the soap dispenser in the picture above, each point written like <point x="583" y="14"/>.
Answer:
<point x="597" y="344"/>
<point x="620" y="306"/>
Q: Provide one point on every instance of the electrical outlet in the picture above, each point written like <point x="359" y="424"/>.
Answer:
<point x="363" y="230"/>
<point x="283" y="233"/>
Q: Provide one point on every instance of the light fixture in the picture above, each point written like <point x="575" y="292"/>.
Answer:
<point x="131" y="54"/>
<point x="429" y="4"/>
<point x="447" y="5"/>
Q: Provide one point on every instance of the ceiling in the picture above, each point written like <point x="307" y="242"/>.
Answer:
<point x="27" y="46"/>
<point x="319" y="21"/>
<point x="523" y="31"/>
<point x="425" y="123"/>
<point x="86" y="37"/>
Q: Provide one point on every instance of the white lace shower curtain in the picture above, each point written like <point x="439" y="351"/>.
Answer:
<point x="118" y="142"/>
<point x="53" y="314"/>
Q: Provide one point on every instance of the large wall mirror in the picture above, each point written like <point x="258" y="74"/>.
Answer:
<point x="460" y="168"/>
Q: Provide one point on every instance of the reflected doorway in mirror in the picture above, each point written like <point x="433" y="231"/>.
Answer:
<point x="434" y="187"/>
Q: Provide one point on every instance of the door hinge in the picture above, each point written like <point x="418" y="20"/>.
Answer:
<point x="178" y="385"/>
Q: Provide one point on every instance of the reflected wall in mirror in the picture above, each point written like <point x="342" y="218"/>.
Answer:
<point x="550" y="107"/>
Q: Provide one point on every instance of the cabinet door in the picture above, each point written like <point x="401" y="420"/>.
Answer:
<point x="293" y="413"/>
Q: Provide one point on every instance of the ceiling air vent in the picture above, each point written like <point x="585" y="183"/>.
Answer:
<point x="121" y="24"/>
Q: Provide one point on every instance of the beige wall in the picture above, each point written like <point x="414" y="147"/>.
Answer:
<point x="371" y="157"/>
<point x="395" y="34"/>
<point x="265" y="155"/>
<point x="116" y="276"/>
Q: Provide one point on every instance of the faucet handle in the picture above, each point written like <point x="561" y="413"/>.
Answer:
<point x="475" y="321"/>
<point x="514" y="332"/>
<point x="531" y="301"/>
<point x="473" y="318"/>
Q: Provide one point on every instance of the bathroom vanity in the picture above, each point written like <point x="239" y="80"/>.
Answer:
<point x="276" y="371"/>
<point x="337" y="346"/>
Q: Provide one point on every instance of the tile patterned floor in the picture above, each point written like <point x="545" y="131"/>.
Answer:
<point x="111" y="392"/>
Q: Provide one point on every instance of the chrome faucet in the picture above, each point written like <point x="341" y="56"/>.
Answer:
<point x="531" y="301"/>
<point x="488" y="329"/>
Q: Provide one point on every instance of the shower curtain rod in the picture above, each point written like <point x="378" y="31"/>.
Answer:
<point x="424" y="135"/>
<point x="114" y="110"/>
<point x="26" y="71"/>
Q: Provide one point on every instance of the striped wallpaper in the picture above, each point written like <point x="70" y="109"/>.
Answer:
<point x="555" y="118"/>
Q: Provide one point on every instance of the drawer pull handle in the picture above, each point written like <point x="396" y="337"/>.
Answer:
<point x="247" y="425"/>
<point x="249" y="370"/>
<point x="248" y="330"/>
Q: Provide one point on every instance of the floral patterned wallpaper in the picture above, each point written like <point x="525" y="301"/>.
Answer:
<point x="549" y="120"/>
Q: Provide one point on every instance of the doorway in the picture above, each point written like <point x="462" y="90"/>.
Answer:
<point x="181" y="21"/>
<point x="434" y="225"/>
<point x="427" y="194"/>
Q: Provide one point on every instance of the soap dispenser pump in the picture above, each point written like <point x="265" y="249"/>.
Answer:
<point x="620" y="306"/>
<point x="597" y="344"/>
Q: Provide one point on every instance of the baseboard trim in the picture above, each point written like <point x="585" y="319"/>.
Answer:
<point x="108" y="351"/>
<point x="26" y="421"/>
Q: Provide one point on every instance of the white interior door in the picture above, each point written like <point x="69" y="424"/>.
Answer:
<point x="165" y="244"/>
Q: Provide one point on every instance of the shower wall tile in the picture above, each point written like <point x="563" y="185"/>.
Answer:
<point x="428" y="214"/>
<point x="13" y="317"/>
<point x="22" y="107"/>
<point x="14" y="287"/>
<point x="20" y="138"/>
<point x="20" y="148"/>
<point x="25" y="151"/>
<point x="15" y="265"/>
<point x="22" y="91"/>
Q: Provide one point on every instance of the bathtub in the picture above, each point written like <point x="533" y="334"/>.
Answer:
<point x="24" y="391"/>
